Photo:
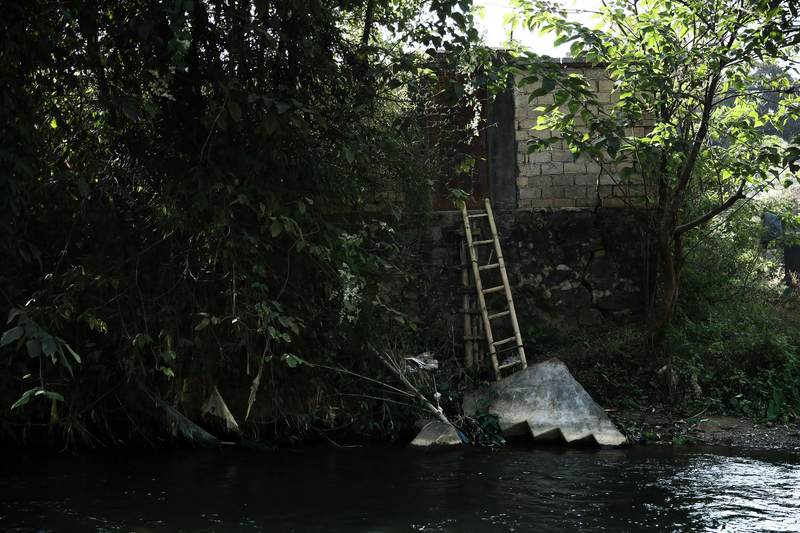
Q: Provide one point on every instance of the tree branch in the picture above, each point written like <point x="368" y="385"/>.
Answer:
<point x="790" y="90"/>
<point x="700" y="136"/>
<point x="368" y="16"/>
<point x="683" y="228"/>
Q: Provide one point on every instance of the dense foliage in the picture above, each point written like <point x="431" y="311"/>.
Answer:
<point x="184" y="186"/>
<point x="734" y="342"/>
<point x="687" y="72"/>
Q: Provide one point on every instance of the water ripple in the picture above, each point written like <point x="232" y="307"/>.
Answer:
<point x="739" y="493"/>
<point x="396" y="490"/>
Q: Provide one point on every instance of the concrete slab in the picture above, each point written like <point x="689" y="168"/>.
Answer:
<point x="437" y="433"/>
<point x="545" y="401"/>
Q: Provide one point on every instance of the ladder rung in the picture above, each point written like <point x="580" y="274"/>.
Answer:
<point x="489" y="267"/>
<point x="512" y="363"/>
<point x="485" y="241"/>
<point x="504" y="341"/>
<point x="494" y="289"/>
<point x="507" y="349"/>
<point x="499" y="315"/>
<point x="478" y="215"/>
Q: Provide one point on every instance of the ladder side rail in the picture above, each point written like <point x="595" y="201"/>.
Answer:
<point x="473" y="256"/>
<point x="465" y="306"/>
<point x="504" y="277"/>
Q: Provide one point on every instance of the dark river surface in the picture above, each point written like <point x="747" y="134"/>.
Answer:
<point x="397" y="489"/>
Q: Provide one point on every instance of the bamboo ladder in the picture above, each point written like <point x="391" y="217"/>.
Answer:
<point x="480" y="292"/>
<point x="473" y="326"/>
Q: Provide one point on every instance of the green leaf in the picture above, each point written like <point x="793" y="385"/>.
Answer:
<point x="626" y="172"/>
<point x="70" y="350"/>
<point x="203" y="324"/>
<point x="772" y="410"/>
<point x="270" y="124"/>
<point x="34" y="347"/>
<point x="565" y="38"/>
<point x="276" y="228"/>
<point x="49" y="345"/>
<point x="129" y="108"/>
<point x="141" y="340"/>
<point x="235" y="111"/>
<point x="292" y="361"/>
<point x="11" y="335"/>
<point x="53" y="396"/>
<point x="25" y="398"/>
<point x="167" y="371"/>
<point x="14" y="313"/>
<point x="548" y="84"/>
<point x="83" y="187"/>
<point x="612" y="145"/>
<point x="64" y="362"/>
<point x="36" y="391"/>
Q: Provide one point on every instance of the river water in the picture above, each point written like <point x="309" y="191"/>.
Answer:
<point x="402" y="490"/>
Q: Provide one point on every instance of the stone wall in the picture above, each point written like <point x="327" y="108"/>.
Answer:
<point x="567" y="267"/>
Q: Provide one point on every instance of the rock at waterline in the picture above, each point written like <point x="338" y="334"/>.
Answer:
<point x="545" y="401"/>
<point x="437" y="433"/>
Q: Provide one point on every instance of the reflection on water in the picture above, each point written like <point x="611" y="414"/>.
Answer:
<point x="393" y="490"/>
<point x="739" y="494"/>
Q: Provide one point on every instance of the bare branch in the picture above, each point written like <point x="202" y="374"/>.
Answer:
<point x="790" y="90"/>
<point x="683" y="228"/>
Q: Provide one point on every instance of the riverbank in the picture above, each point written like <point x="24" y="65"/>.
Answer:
<point x="659" y="427"/>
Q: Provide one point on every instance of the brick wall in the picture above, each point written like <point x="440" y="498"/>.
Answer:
<point x="547" y="179"/>
<point x="554" y="178"/>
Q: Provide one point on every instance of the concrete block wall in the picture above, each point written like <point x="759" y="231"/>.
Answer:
<point x="555" y="178"/>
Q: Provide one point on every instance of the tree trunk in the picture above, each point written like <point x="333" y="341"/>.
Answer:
<point x="669" y="251"/>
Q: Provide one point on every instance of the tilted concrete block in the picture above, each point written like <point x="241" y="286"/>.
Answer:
<point x="546" y="402"/>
